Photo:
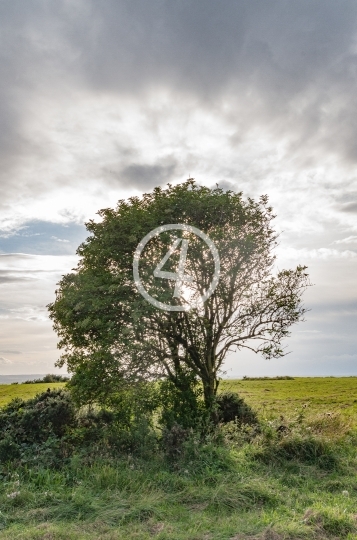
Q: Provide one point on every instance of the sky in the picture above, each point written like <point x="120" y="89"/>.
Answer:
<point x="104" y="99"/>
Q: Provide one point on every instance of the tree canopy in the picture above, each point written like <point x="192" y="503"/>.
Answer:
<point x="110" y="335"/>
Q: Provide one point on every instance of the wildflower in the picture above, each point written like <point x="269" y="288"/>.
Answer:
<point x="345" y="493"/>
<point x="13" y="494"/>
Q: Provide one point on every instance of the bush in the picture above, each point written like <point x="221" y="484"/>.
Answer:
<point x="9" y="449"/>
<point x="172" y="441"/>
<point x="49" y="378"/>
<point x="34" y="421"/>
<point x="231" y="407"/>
<point x="181" y="402"/>
<point x="34" y="431"/>
<point x="50" y="427"/>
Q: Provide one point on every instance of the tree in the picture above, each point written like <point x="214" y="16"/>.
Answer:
<point x="112" y="336"/>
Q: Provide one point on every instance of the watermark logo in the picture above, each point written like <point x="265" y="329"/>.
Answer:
<point x="179" y="277"/>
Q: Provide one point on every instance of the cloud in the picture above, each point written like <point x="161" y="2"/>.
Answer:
<point x="11" y="277"/>
<point x="146" y="176"/>
<point x="351" y="207"/>
<point x="348" y="240"/>
<point x="59" y="239"/>
<point x="122" y="87"/>
<point x="4" y="361"/>
<point x="319" y="253"/>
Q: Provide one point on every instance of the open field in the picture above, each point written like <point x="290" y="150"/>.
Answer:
<point x="273" y="488"/>
<point x="316" y="395"/>
<point x="24" y="391"/>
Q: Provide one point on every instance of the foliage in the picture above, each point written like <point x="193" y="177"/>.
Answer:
<point x="49" y="378"/>
<point x="36" y="427"/>
<point x="9" y="449"/>
<point x="231" y="407"/>
<point x="112" y="336"/>
<point x="172" y="441"/>
<point x="181" y="402"/>
<point x="103" y="432"/>
<point x="49" y="413"/>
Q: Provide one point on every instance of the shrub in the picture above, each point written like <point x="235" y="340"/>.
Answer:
<point x="49" y="378"/>
<point x="181" y="402"/>
<point x="231" y="407"/>
<point x="125" y="429"/>
<point x="172" y="441"/>
<point x="35" y="422"/>
<point x="9" y="449"/>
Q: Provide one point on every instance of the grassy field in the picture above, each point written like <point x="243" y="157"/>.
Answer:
<point x="24" y="391"/>
<point x="290" y="487"/>
<point x="316" y="395"/>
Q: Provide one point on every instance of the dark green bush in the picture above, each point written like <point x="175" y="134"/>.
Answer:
<point x="231" y="407"/>
<point x="34" y="420"/>
<point x="49" y="378"/>
<point x="172" y="441"/>
<point x="9" y="449"/>
<point x="181" y="402"/>
<point x="104" y="429"/>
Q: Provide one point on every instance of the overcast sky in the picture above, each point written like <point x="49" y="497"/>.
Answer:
<point x="104" y="99"/>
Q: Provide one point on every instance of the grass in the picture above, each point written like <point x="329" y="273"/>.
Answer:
<point x="268" y="488"/>
<point x="317" y="395"/>
<point x="24" y="391"/>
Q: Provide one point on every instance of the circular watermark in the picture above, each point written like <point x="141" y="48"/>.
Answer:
<point x="179" y="277"/>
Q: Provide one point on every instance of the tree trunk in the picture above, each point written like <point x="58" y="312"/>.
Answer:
<point x="209" y="393"/>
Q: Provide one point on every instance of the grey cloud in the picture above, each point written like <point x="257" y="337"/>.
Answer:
<point x="16" y="256"/>
<point x="9" y="278"/>
<point x="271" y="51"/>
<point x="148" y="176"/>
<point x="203" y="47"/>
<point x="16" y="275"/>
<point x="285" y="66"/>
<point x="226" y="185"/>
<point x="289" y="67"/>
<point x="350" y="207"/>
